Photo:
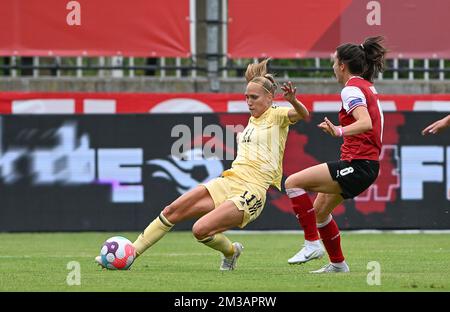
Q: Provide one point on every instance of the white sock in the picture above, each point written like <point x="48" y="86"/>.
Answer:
<point x="315" y="243"/>
<point x="325" y="223"/>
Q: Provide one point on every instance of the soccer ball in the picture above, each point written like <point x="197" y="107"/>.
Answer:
<point x="117" y="253"/>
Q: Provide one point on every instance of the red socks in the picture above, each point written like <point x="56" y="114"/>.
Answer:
<point x="304" y="211"/>
<point x="329" y="231"/>
<point x="331" y="238"/>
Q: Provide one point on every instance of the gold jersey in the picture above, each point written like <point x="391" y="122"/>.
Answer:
<point x="260" y="149"/>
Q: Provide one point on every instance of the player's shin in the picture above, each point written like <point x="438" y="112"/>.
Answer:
<point x="219" y="242"/>
<point x="331" y="238"/>
<point x="304" y="211"/>
<point x="153" y="233"/>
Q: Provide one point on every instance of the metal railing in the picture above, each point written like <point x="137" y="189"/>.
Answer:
<point x="118" y="67"/>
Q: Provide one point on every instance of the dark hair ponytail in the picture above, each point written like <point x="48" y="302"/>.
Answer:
<point x="366" y="59"/>
<point x="375" y="52"/>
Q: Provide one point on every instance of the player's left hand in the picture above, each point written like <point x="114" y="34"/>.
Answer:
<point x="289" y="91"/>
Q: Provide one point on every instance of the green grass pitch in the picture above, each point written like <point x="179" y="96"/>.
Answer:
<point x="408" y="262"/>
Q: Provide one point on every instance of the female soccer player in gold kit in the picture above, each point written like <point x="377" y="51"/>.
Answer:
<point x="238" y="196"/>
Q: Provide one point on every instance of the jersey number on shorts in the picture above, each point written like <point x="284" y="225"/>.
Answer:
<point x="248" y="199"/>
<point x="346" y="171"/>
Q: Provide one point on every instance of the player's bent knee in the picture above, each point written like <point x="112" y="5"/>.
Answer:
<point x="171" y="213"/>
<point x="289" y="183"/>
<point x="292" y="182"/>
<point x="200" y="231"/>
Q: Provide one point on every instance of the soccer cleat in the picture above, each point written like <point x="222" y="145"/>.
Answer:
<point x="307" y="253"/>
<point x="98" y="260"/>
<point x="229" y="264"/>
<point x="331" y="268"/>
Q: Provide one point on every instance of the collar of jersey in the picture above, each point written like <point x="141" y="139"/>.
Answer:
<point x="262" y="117"/>
<point x="352" y="78"/>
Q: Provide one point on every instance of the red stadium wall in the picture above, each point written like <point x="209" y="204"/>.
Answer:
<point x="314" y="28"/>
<point x="95" y="28"/>
<point x="295" y="29"/>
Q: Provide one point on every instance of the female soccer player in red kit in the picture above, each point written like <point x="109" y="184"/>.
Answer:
<point x="361" y="128"/>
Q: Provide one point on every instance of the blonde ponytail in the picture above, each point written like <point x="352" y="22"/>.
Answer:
<point x="257" y="73"/>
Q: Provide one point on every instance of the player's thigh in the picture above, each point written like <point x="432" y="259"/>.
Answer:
<point x="314" y="179"/>
<point x="224" y="217"/>
<point x="324" y="204"/>
<point x="194" y="203"/>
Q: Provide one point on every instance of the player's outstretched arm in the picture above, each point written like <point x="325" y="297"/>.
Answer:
<point x="299" y="112"/>
<point x="437" y="126"/>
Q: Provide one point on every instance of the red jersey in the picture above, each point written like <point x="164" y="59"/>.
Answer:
<point x="367" y="145"/>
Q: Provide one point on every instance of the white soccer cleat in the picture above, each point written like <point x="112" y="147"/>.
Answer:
<point x="98" y="260"/>
<point x="309" y="252"/>
<point x="332" y="268"/>
<point x="229" y="264"/>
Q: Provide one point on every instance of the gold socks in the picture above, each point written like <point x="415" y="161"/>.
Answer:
<point x="153" y="233"/>
<point x="219" y="242"/>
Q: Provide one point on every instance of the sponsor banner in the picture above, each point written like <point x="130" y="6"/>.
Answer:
<point x="95" y="28"/>
<point x="176" y="103"/>
<point x="316" y="27"/>
<point x="117" y="172"/>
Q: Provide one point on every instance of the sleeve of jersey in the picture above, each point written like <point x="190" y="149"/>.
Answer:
<point x="282" y="116"/>
<point x="352" y="97"/>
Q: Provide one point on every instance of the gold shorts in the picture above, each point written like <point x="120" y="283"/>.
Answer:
<point x="247" y="197"/>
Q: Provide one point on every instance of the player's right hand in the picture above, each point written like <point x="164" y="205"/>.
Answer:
<point x="437" y="126"/>
<point x="326" y="128"/>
